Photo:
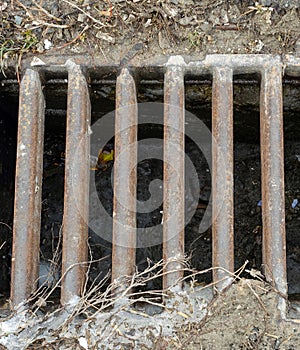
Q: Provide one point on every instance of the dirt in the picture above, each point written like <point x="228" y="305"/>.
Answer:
<point x="241" y="318"/>
<point x="113" y="27"/>
<point x="244" y="316"/>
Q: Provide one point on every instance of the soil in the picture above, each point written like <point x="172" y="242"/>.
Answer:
<point x="244" y="317"/>
<point x="241" y="319"/>
<point x="113" y="27"/>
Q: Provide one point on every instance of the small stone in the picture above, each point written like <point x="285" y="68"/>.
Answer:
<point x="187" y="20"/>
<point x="205" y="26"/>
<point x="83" y="342"/>
<point x="81" y="17"/>
<point x="47" y="44"/>
<point x="18" y="20"/>
<point x="148" y="23"/>
<point x="295" y="203"/>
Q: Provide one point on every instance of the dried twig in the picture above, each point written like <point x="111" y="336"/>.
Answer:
<point x="41" y="22"/>
<point x="75" y="39"/>
<point x="86" y="13"/>
<point x="51" y="25"/>
<point x="2" y="245"/>
<point x="3" y="223"/>
<point x="46" y="12"/>
<point x="258" y="299"/>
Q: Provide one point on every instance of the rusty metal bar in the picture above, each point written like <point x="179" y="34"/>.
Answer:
<point x="125" y="178"/>
<point x="272" y="177"/>
<point x="28" y="189"/>
<point x="76" y="192"/>
<point x="173" y="210"/>
<point x="222" y="176"/>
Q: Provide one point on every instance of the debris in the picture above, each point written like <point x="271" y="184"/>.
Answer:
<point x="259" y="203"/>
<point x="130" y="18"/>
<point x="83" y="342"/>
<point x="81" y="17"/>
<point x="148" y="23"/>
<point x="105" y="156"/>
<point x="185" y="21"/>
<point x="106" y="37"/>
<point x="37" y="62"/>
<point x="162" y="217"/>
<point x="3" y="5"/>
<point x="170" y="11"/>
<point x="268" y="17"/>
<point x="183" y="314"/>
<point x="18" y="20"/>
<point x="258" y="45"/>
<point x="47" y="44"/>
<point x="93" y="162"/>
<point x="255" y="273"/>
<point x="101" y="162"/>
<point x="295" y="203"/>
<point x="40" y="47"/>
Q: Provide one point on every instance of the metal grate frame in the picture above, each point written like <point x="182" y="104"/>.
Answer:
<point x="27" y="212"/>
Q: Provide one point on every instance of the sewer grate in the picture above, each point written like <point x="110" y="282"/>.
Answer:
<point x="28" y="183"/>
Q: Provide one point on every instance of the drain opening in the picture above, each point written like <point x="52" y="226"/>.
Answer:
<point x="53" y="186"/>
<point x="292" y="193"/>
<point x="255" y="209"/>
<point x="8" y="139"/>
<point x="247" y="174"/>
